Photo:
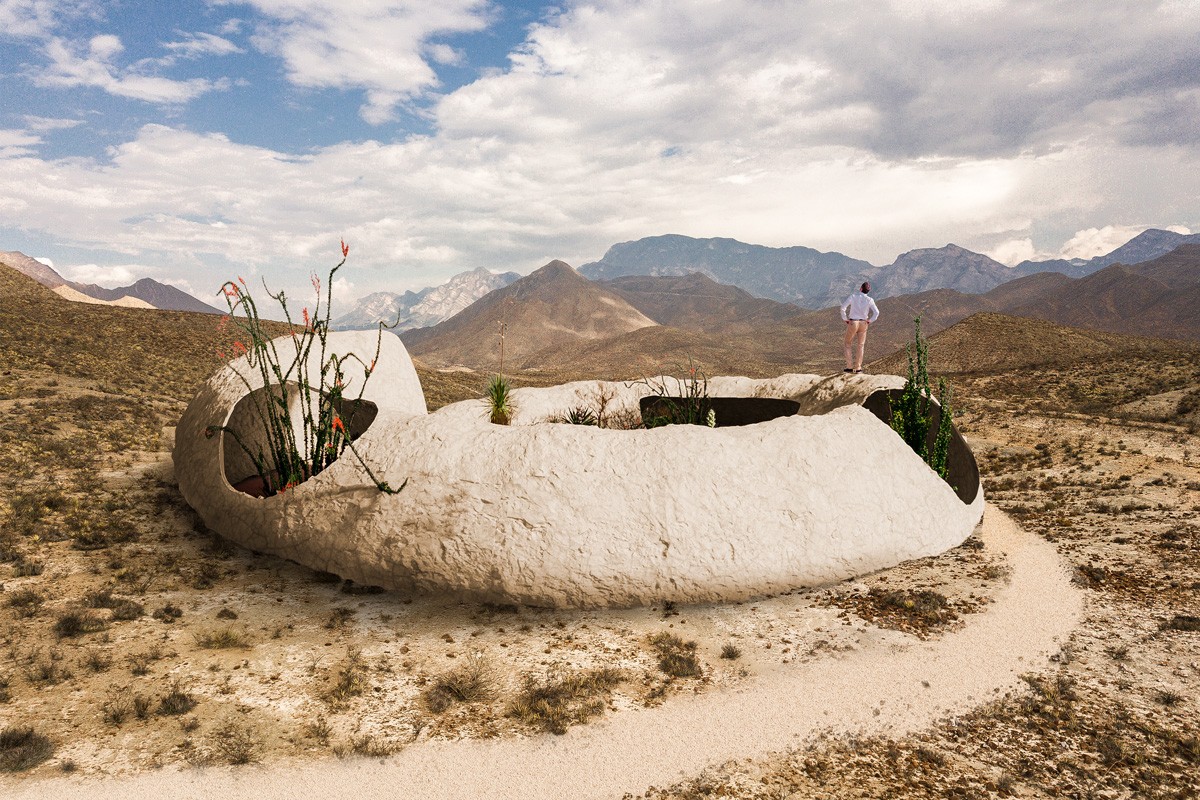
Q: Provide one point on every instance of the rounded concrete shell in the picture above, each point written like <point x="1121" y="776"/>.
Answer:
<point x="551" y="514"/>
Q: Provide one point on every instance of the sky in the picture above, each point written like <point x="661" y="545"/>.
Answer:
<point x="196" y="140"/>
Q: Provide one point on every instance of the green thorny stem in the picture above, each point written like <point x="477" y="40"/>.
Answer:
<point x="912" y="413"/>
<point x="326" y="435"/>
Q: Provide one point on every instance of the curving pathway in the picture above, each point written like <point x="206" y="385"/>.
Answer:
<point x="890" y="691"/>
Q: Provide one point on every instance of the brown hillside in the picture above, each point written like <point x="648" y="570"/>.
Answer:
<point x="697" y="302"/>
<point x="140" y="352"/>
<point x="659" y="349"/>
<point x="552" y="307"/>
<point x="990" y="342"/>
<point x="1178" y="268"/>
<point x="1023" y="291"/>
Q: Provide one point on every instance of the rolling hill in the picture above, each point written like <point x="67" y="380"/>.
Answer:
<point x="552" y="307"/>
<point x="145" y="293"/>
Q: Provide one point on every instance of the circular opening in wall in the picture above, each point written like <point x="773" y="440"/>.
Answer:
<point x="248" y="433"/>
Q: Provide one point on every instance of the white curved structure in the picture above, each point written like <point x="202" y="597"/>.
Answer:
<point x="562" y="515"/>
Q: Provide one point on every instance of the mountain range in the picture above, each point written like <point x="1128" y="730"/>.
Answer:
<point x="812" y="279"/>
<point x="145" y="293"/>
<point x="426" y="307"/>
<point x="557" y="319"/>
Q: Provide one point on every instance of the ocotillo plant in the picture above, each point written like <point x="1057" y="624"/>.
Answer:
<point x="912" y="412"/>
<point x="290" y="456"/>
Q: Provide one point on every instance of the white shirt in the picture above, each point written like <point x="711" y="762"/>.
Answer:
<point x="859" y="306"/>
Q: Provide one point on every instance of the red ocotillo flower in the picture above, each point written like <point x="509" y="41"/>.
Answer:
<point x="338" y="426"/>
<point x="345" y="249"/>
<point x="239" y="349"/>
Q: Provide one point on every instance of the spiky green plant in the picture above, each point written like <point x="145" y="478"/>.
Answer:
<point x="293" y="456"/>
<point x="499" y="400"/>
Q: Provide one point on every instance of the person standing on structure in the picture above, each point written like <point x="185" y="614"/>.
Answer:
<point x="858" y="312"/>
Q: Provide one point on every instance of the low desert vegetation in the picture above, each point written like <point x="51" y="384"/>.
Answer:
<point x="473" y="681"/>
<point x="22" y="749"/>
<point x="564" y="699"/>
<point x="676" y="657"/>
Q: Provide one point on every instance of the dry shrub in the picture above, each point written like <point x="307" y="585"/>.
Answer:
<point x="22" y="749"/>
<point x="472" y="682"/>
<point x="676" y="657"/>
<point x="564" y="700"/>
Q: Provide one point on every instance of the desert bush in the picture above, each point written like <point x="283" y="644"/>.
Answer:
<point x="471" y="682"/>
<point x="676" y="657"/>
<point x="122" y="608"/>
<point x="97" y="660"/>
<point x="235" y="743"/>
<point x="25" y="602"/>
<point x="339" y="618"/>
<point x="47" y="669"/>
<point x="22" y="749"/>
<point x="686" y="403"/>
<point x="176" y="701"/>
<point x="1182" y="622"/>
<point x="731" y="651"/>
<point x="350" y="680"/>
<point x="370" y="746"/>
<point x="78" y="622"/>
<point x="118" y="707"/>
<point x="563" y="700"/>
<point x="168" y="613"/>
<point x="5" y="688"/>
<point x="499" y="400"/>
<point x="578" y="415"/>
<point x="222" y="639"/>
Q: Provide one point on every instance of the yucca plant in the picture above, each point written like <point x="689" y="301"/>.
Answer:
<point x="292" y="456"/>
<point x="499" y="400"/>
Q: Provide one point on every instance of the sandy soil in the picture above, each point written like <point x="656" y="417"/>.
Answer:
<point x="894" y="684"/>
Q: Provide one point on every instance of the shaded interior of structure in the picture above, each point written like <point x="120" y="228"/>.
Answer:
<point x="963" y="471"/>
<point x="245" y="419"/>
<point x="727" y="411"/>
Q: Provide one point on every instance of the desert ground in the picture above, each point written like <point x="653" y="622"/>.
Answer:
<point x="132" y="639"/>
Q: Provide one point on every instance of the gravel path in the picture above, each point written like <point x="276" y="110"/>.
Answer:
<point x="876" y="690"/>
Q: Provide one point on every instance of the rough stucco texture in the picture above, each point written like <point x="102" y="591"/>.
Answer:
<point x="560" y="515"/>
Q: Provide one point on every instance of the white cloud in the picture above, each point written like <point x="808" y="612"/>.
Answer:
<point x="15" y="143"/>
<point x="38" y="18"/>
<point x="1093" y="242"/>
<point x="109" y="277"/>
<point x="43" y="124"/>
<point x="71" y="66"/>
<point x="1014" y="251"/>
<point x="379" y="46"/>
<point x="44" y="260"/>
<point x="196" y="45"/>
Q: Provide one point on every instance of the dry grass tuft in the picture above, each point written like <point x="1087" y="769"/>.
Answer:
<point x="565" y="700"/>
<point x="22" y="749"/>
<point x="676" y="657"/>
<point x="470" y="683"/>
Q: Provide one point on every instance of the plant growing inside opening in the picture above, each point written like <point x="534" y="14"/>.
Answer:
<point x="291" y="454"/>
<point x="686" y="404"/>
<point x="912" y="412"/>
